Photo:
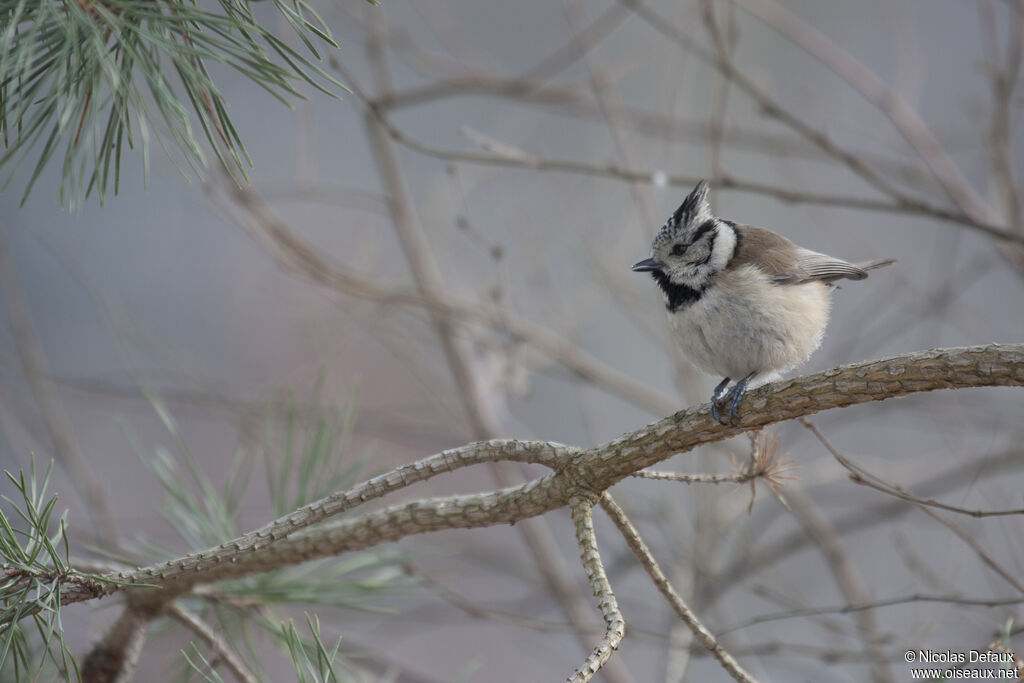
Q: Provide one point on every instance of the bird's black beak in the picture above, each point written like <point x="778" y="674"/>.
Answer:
<point x="648" y="264"/>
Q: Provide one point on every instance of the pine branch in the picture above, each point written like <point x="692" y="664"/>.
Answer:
<point x="290" y="541"/>
<point x="81" y="80"/>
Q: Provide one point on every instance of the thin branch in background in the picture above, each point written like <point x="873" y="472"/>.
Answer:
<point x="611" y="110"/>
<point x="860" y="475"/>
<point x="47" y="398"/>
<point x="213" y="640"/>
<point x="570" y="100"/>
<point x="505" y="617"/>
<point x="467" y="606"/>
<point x="703" y="635"/>
<point x="788" y="601"/>
<point x="741" y="568"/>
<point x="481" y="411"/>
<point x="1003" y="74"/>
<point x="530" y="86"/>
<point x="296" y="255"/>
<point x="901" y="203"/>
<point x="725" y="44"/>
<point x="982" y="554"/>
<point x="848" y="579"/>
<point x="615" y="625"/>
<point x="847" y="609"/>
<point x="584" y="40"/>
<point x="771" y="107"/>
<point x="903" y="117"/>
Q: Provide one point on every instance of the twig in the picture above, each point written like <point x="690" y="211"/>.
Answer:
<point x="976" y="547"/>
<point x="293" y="253"/>
<point x="744" y="566"/>
<point x="570" y="100"/>
<point x="639" y="548"/>
<point x="765" y="465"/>
<point x="770" y="107"/>
<point x="480" y="411"/>
<point x="876" y="604"/>
<point x="848" y="579"/>
<point x="477" y="612"/>
<point x="611" y="111"/>
<point x="901" y="203"/>
<point x="1004" y="81"/>
<point x="864" y="81"/>
<point x="725" y="46"/>
<point x="733" y="478"/>
<point x="224" y="652"/>
<point x="467" y="606"/>
<point x="47" y="398"/>
<point x="860" y="475"/>
<point x="615" y="625"/>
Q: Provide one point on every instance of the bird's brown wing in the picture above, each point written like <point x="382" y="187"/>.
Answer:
<point x="785" y="262"/>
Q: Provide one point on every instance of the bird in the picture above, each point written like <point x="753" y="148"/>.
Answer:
<point x="744" y="303"/>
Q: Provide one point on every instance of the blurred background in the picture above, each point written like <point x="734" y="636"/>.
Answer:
<point x="448" y="249"/>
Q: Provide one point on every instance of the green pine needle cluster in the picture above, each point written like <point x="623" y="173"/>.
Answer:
<point x="34" y="563"/>
<point x="304" y="454"/>
<point x="82" y="79"/>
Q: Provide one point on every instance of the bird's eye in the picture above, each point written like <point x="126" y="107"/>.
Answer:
<point x="679" y="250"/>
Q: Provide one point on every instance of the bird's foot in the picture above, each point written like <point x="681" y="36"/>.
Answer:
<point x="717" y="399"/>
<point x="720" y="398"/>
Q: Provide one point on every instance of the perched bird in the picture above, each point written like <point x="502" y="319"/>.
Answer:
<point x="745" y="303"/>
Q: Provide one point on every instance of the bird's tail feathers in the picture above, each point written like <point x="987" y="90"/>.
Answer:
<point x="880" y="263"/>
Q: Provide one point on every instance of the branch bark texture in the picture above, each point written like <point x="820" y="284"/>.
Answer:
<point x="575" y="472"/>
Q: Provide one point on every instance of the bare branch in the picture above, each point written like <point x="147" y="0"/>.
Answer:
<point x="769" y="106"/>
<point x="864" y="81"/>
<point x="1004" y="79"/>
<point x="901" y="202"/>
<point x="848" y="579"/>
<point x="47" y="398"/>
<point x="860" y="475"/>
<point x="596" y="469"/>
<point x="876" y="604"/>
<point x="224" y="652"/>
<point x="732" y="478"/>
<point x="480" y="409"/>
<point x="294" y="254"/>
<point x="976" y="547"/>
<point x="615" y="625"/>
<point x="766" y="464"/>
<point x="747" y="564"/>
<point x="639" y="548"/>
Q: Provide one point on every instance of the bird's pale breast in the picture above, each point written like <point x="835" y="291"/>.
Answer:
<point x="743" y="323"/>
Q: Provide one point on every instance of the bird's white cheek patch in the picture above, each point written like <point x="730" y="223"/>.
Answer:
<point x="725" y="243"/>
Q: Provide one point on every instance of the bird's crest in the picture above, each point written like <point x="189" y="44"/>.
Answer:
<point x="693" y="212"/>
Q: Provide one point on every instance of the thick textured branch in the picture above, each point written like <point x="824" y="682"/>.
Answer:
<point x="586" y="472"/>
